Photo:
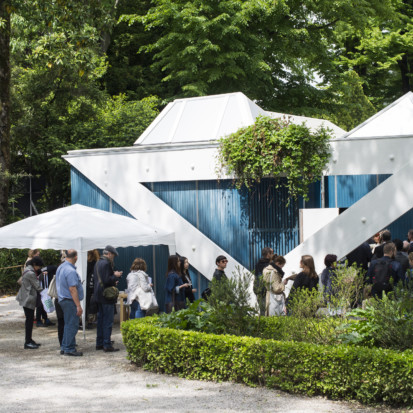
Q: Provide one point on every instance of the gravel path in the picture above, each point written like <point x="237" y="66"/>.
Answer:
<point x="44" y="381"/>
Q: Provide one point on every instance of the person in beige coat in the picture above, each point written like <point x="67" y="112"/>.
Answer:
<point x="27" y="296"/>
<point x="272" y="276"/>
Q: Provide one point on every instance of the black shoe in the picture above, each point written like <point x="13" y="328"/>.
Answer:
<point x="36" y="344"/>
<point x="62" y="352"/>
<point x="99" y="347"/>
<point x="110" y="349"/>
<point x="49" y="323"/>
<point x="40" y="324"/>
<point x="31" y="346"/>
<point x="74" y="353"/>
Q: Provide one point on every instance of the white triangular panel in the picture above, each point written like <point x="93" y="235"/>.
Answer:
<point x="312" y="123"/>
<point x="394" y="120"/>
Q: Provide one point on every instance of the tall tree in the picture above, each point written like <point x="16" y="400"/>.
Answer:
<point x="5" y="12"/>
<point x="57" y="62"/>
<point x="275" y="52"/>
<point x="381" y="52"/>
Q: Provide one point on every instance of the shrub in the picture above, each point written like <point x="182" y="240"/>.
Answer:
<point x="386" y="322"/>
<point x="228" y="310"/>
<point x="276" y="148"/>
<point x="363" y="374"/>
<point x="310" y="330"/>
<point x="347" y="289"/>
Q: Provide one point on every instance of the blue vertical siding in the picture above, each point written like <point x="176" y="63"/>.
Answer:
<point x="400" y="227"/>
<point x="86" y="193"/>
<point x="350" y="188"/>
<point x="241" y="222"/>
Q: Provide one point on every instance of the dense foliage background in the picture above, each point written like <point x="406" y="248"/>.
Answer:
<point x="77" y="74"/>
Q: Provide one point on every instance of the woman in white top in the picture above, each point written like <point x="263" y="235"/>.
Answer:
<point x="135" y="279"/>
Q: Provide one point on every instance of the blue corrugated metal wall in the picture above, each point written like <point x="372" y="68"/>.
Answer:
<point x="241" y="222"/>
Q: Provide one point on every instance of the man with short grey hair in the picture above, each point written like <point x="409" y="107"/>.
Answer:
<point x="105" y="277"/>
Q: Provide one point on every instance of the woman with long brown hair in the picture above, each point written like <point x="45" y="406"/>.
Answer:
<point x="174" y="287"/>
<point x="307" y="278"/>
<point x="137" y="278"/>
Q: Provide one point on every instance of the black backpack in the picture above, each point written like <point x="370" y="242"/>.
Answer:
<point x="382" y="273"/>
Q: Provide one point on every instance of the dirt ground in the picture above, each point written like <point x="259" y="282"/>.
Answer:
<point x="44" y="381"/>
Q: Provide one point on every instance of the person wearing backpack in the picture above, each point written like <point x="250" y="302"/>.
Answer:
<point x="384" y="272"/>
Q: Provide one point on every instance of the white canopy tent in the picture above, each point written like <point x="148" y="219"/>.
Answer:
<point x="82" y="228"/>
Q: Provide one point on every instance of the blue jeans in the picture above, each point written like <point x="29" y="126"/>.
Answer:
<point x="71" y="325"/>
<point x="136" y="311"/>
<point x="106" y="313"/>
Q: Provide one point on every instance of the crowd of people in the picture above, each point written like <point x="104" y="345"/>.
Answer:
<point x="385" y="262"/>
<point x="70" y="293"/>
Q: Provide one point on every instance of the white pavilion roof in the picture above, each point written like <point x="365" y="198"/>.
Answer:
<point x="395" y="120"/>
<point x="210" y="118"/>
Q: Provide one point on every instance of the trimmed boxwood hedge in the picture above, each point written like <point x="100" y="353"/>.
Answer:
<point x="339" y="372"/>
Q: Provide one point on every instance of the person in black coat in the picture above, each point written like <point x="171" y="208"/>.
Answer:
<point x="105" y="276"/>
<point x="361" y="256"/>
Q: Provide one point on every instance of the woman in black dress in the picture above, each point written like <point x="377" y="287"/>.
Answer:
<point x="186" y="279"/>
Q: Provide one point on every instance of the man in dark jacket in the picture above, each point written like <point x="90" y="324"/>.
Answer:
<point x="401" y="257"/>
<point x="394" y="272"/>
<point x="104" y="277"/>
<point x="221" y="263"/>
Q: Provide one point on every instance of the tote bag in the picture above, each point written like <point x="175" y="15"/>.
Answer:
<point x="47" y="301"/>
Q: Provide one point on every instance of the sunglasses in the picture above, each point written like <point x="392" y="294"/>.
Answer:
<point x="224" y="261"/>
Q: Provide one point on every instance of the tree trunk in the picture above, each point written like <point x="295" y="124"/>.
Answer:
<point x="5" y="11"/>
<point x="404" y="73"/>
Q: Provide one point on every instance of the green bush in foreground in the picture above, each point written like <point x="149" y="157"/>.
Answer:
<point x="345" y="372"/>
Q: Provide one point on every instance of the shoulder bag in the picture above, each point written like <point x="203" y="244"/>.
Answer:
<point x="52" y="291"/>
<point x="147" y="299"/>
<point x="109" y="293"/>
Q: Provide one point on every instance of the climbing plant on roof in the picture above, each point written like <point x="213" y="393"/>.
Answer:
<point x="278" y="149"/>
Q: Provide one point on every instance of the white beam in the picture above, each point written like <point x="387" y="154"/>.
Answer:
<point x="379" y="208"/>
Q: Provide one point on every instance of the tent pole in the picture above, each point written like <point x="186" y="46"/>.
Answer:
<point x="82" y="269"/>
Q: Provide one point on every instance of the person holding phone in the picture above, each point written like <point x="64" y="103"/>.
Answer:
<point x="186" y="279"/>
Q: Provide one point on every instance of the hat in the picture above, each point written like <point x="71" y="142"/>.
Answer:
<point x="111" y="249"/>
<point x="37" y="261"/>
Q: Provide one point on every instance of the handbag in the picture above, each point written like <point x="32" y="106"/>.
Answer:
<point x="147" y="299"/>
<point x="47" y="300"/>
<point x="109" y="293"/>
<point x="52" y="291"/>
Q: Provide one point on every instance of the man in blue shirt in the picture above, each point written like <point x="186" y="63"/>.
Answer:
<point x="70" y="294"/>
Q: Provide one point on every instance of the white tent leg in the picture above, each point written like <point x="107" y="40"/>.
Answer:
<point x="82" y="269"/>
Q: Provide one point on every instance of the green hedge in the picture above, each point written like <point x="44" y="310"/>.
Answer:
<point x="339" y="372"/>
